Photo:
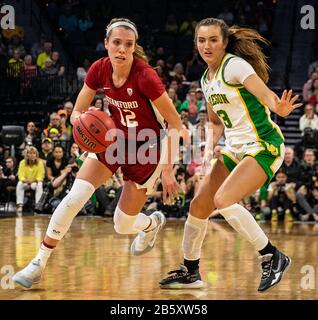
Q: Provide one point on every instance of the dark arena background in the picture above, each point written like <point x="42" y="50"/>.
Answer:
<point x="44" y="59"/>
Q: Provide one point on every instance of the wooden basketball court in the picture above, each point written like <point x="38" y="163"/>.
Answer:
<point x="93" y="262"/>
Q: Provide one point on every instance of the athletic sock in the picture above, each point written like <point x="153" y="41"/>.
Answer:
<point x="191" y="265"/>
<point x="44" y="254"/>
<point x="269" y="249"/>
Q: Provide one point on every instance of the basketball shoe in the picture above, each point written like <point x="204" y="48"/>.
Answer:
<point x="273" y="267"/>
<point x="30" y="275"/>
<point x="145" y="240"/>
<point x="182" y="279"/>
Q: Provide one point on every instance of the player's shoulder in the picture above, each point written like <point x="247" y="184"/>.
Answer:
<point x="141" y="65"/>
<point x="233" y="59"/>
<point x="101" y="63"/>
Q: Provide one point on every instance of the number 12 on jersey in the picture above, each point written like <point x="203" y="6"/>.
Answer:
<point x="127" y="118"/>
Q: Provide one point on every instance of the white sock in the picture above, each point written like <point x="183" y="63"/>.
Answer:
<point x="43" y="255"/>
<point x="245" y="224"/>
<point x="193" y="236"/>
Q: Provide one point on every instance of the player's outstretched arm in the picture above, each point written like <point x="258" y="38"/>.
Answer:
<point x="283" y="106"/>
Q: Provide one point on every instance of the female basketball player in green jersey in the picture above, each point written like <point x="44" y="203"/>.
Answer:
<point x="238" y="104"/>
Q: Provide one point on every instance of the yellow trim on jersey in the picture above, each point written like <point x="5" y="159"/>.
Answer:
<point x="233" y="159"/>
<point x="248" y="115"/>
<point x="279" y="158"/>
<point x="221" y="65"/>
<point x="273" y="123"/>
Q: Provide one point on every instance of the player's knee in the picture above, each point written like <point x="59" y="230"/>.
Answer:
<point x="220" y="201"/>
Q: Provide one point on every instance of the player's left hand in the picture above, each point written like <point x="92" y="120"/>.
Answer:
<point x="170" y="186"/>
<point x="285" y="105"/>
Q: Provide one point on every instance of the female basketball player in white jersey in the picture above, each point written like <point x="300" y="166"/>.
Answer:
<point x="239" y="103"/>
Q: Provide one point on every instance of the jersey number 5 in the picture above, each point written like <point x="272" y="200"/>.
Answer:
<point x="226" y="120"/>
<point x="127" y="120"/>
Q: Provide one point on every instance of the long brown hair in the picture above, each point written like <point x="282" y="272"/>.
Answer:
<point x="243" y="42"/>
<point x="139" y="51"/>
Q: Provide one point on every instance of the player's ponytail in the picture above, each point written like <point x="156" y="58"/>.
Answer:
<point x="242" y="42"/>
<point x="140" y="53"/>
<point x="128" y="24"/>
<point x="245" y="43"/>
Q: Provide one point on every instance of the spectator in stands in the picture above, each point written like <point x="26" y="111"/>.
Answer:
<point x="308" y="88"/>
<point x="56" y="62"/>
<point x="56" y="163"/>
<point x="308" y="181"/>
<point x="46" y="149"/>
<point x="31" y="175"/>
<point x="68" y="107"/>
<point x="162" y="75"/>
<point x="178" y="73"/>
<point x="290" y="165"/>
<point x="28" y="73"/>
<point x="312" y="67"/>
<point x="49" y="70"/>
<point x="98" y="102"/>
<point x="313" y="99"/>
<point x="15" y="64"/>
<point x="8" y="176"/>
<point x="307" y="170"/>
<point x="32" y="137"/>
<point x="38" y="47"/>
<point x="308" y="119"/>
<point x="201" y="128"/>
<point x="171" y="25"/>
<point x="174" y="97"/>
<point x="43" y="56"/>
<point x="307" y="142"/>
<point x="74" y="152"/>
<point x="55" y="122"/>
<point x="65" y="131"/>
<point x="200" y="98"/>
<point x="178" y="87"/>
<point x="186" y="124"/>
<point x="282" y="197"/>
<point x="82" y="71"/>
<point x="192" y="105"/>
<point x="16" y="44"/>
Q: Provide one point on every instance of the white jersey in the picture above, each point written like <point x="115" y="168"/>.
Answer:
<point x="244" y="117"/>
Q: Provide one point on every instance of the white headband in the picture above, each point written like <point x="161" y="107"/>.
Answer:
<point x="121" y="24"/>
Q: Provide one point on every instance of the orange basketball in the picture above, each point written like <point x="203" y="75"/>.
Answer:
<point x="91" y="131"/>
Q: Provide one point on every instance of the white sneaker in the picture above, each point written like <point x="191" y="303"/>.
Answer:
<point x="30" y="275"/>
<point x="145" y="240"/>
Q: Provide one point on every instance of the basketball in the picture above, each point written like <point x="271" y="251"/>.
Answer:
<point x="91" y="131"/>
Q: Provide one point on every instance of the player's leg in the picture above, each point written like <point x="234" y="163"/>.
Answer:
<point x="248" y="176"/>
<point x="201" y="207"/>
<point x="129" y="219"/>
<point x="90" y="176"/>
